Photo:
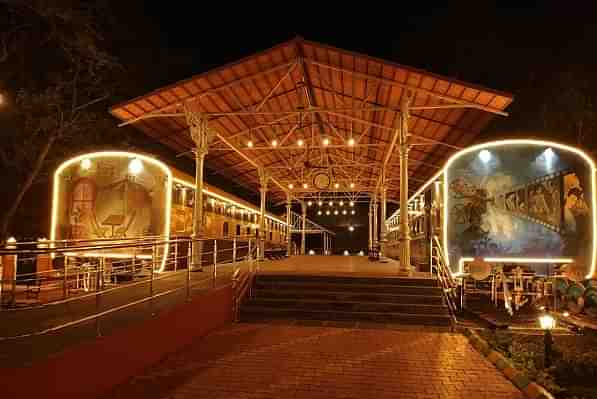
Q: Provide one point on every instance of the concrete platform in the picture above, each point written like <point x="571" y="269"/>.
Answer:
<point x="334" y="265"/>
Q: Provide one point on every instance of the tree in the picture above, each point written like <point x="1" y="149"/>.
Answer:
<point x="58" y="79"/>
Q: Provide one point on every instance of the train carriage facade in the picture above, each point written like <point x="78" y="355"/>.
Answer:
<point x="115" y="194"/>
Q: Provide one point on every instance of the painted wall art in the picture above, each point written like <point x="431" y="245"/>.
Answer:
<point x="520" y="200"/>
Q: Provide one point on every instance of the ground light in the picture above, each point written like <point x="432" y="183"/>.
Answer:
<point x="361" y="253"/>
<point x="311" y="252"/>
<point x="547" y="323"/>
<point x="346" y="252"/>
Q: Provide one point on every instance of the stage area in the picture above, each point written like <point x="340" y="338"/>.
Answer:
<point x="334" y="265"/>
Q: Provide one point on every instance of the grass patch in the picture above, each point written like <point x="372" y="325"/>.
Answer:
<point x="574" y="370"/>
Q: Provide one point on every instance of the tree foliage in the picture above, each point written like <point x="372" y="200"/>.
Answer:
<point x="56" y="80"/>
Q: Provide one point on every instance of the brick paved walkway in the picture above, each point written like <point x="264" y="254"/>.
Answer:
<point x="286" y="361"/>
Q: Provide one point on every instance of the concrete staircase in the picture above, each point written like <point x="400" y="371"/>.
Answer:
<point x="374" y="299"/>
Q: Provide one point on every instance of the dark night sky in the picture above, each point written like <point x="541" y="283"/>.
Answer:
<point x="517" y="49"/>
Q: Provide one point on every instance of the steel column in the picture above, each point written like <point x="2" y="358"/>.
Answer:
<point x="383" y="219"/>
<point x="375" y="220"/>
<point x="288" y="224"/>
<point x="263" y="180"/>
<point x="201" y="136"/>
<point x="404" y="232"/>
<point x="303" y="228"/>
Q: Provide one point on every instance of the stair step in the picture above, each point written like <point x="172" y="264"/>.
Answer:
<point x="377" y="288"/>
<point x="350" y="296"/>
<point x="347" y="306"/>
<point x="402" y="281"/>
<point x="257" y="313"/>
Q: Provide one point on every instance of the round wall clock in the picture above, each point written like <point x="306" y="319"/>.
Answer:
<point x="321" y="180"/>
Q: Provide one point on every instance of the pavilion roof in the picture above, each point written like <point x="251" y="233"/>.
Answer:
<point x="302" y="90"/>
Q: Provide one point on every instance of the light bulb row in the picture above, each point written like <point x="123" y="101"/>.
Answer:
<point x="336" y="212"/>
<point x="331" y="203"/>
<point x="306" y="185"/>
<point x="300" y="142"/>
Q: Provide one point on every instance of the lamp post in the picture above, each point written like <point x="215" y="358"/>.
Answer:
<point x="547" y="323"/>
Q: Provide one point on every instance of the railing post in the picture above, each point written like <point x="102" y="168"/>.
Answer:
<point x="175" y="254"/>
<point x="215" y="259"/>
<point x="99" y="282"/>
<point x="151" y="289"/>
<point x="189" y="270"/>
<point x="234" y="250"/>
<point x="65" y="279"/>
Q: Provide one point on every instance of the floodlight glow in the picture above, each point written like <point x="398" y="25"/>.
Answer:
<point x="337" y="185"/>
<point x="326" y="141"/>
<point x="86" y="164"/>
<point x="351" y="185"/>
<point x="300" y="142"/>
<point x="274" y="143"/>
<point x="547" y="322"/>
<point x="291" y="186"/>
<point x="305" y="185"/>
<point x="351" y="141"/>
<point x="564" y="147"/>
<point x="135" y="166"/>
<point x="250" y="144"/>
<point x="484" y="156"/>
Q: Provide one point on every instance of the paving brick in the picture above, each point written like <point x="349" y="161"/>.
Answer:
<point x="261" y="361"/>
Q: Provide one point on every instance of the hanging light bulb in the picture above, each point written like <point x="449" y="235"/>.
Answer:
<point x="351" y="203"/>
<point x="309" y="203"/>
<point x="352" y="212"/>
<point x="326" y="141"/>
<point x="274" y="143"/>
<point x="351" y="141"/>
<point x="331" y="203"/>
<point x="327" y="212"/>
<point x="320" y="203"/>
<point x="344" y="212"/>
<point x="319" y="213"/>
<point x="300" y="142"/>
<point x="337" y="185"/>
<point x="341" y="203"/>
<point x="250" y="144"/>
<point x="135" y="166"/>
<point x="335" y="212"/>
<point x="350" y="228"/>
<point x="351" y="185"/>
<point x="86" y="164"/>
<point x="305" y="185"/>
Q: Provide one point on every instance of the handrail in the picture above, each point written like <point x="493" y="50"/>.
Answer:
<point x="101" y="272"/>
<point x="445" y="278"/>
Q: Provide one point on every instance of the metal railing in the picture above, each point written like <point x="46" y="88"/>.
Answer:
<point x="449" y="286"/>
<point x="87" y="280"/>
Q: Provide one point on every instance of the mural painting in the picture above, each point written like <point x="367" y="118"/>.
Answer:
<point x="519" y="201"/>
<point x="105" y="200"/>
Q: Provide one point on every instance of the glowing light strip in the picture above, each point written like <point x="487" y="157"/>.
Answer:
<point x="122" y="154"/>
<point x="109" y="255"/>
<point x="231" y="201"/>
<point x="463" y="260"/>
<point x="523" y="142"/>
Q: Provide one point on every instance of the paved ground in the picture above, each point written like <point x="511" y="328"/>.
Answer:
<point x="292" y="361"/>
